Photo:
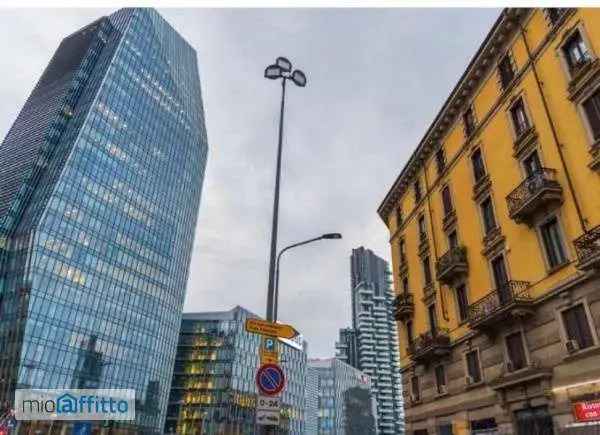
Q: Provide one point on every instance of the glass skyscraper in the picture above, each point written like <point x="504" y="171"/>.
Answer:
<point x="99" y="192"/>
<point x="377" y="336"/>
<point x="345" y="403"/>
<point x="214" y="388"/>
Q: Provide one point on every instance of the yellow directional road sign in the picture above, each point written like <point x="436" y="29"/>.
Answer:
<point x="262" y="327"/>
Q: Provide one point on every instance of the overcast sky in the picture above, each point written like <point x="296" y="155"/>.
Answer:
<point x="376" y="79"/>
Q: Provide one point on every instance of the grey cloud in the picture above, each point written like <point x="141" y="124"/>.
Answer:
<point x="376" y="79"/>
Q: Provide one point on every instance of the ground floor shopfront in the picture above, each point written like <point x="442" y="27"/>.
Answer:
<point x="535" y="370"/>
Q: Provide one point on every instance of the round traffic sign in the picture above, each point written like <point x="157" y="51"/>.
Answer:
<point x="270" y="379"/>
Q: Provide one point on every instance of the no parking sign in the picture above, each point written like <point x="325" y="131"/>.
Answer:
<point x="270" y="379"/>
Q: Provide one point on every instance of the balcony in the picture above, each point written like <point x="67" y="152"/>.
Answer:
<point x="405" y="306"/>
<point x="510" y="301"/>
<point x="430" y="346"/>
<point x="452" y="265"/>
<point x="588" y="249"/>
<point x="537" y="194"/>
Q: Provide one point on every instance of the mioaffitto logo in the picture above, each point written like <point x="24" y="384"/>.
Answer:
<point x="89" y="404"/>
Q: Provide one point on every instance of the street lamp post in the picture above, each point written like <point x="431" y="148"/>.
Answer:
<point x="281" y="69"/>
<point x="327" y="236"/>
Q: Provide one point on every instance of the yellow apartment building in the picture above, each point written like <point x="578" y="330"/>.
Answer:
<point x="495" y="237"/>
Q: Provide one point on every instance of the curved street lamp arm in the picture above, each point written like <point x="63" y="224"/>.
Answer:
<point x="295" y="245"/>
<point x="287" y="248"/>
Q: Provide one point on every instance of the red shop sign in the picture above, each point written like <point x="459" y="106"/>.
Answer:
<point x="586" y="411"/>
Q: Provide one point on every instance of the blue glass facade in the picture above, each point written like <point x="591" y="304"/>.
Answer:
<point x="104" y="170"/>
<point x="213" y="389"/>
<point x="345" y="403"/>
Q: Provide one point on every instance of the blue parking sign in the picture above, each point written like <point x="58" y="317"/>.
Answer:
<point x="269" y="344"/>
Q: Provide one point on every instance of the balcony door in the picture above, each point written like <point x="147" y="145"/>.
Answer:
<point x="432" y="319"/>
<point x="532" y="164"/>
<point x="501" y="279"/>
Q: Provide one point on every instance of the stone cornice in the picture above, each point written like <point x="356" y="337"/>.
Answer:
<point x="477" y="71"/>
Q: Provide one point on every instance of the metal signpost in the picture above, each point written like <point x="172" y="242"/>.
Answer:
<point x="270" y="379"/>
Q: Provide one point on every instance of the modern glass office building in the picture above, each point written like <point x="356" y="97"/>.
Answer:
<point x="346" y="347"/>
<point x="345" y="403"/>
<point x="213" y="389"/>
<point x="377" y="337"/>
<point x="99" y="192"/>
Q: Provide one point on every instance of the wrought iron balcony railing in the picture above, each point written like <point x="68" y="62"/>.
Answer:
<point x="538" y="191"/>
<point x="430" y="345"/>
<point x="404" y="306"/>
<point x="511" y="299"/>
<point x="588" y="249"/>
<point x="452" y="265"/>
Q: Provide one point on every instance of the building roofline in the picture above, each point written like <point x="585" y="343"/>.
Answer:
<point x="447" y="103"/>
